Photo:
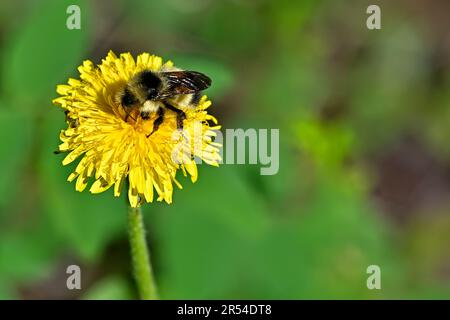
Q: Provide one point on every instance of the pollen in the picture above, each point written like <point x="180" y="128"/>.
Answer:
<point x="111" y="148"/>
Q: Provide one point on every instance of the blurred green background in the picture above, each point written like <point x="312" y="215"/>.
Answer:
<point x="364" y="176"/>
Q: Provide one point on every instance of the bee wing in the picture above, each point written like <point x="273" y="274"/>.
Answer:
<point x="185" y="82"/>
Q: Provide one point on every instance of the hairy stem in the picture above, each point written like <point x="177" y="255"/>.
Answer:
<point x="140" y="256"/>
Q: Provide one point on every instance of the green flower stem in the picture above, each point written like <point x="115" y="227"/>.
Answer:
<point x="140" y="256"/>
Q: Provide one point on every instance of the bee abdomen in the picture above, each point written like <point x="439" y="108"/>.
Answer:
<point x="195" y="99"/>
<point x="186" y="101"/>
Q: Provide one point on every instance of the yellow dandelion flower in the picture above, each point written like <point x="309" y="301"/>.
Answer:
<point x="113" y="147"/>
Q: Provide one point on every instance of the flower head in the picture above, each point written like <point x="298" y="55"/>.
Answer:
<point x="114" y="147"/>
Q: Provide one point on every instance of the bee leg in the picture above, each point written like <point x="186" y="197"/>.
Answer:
<point x="145" y="115"/>
<point x="127" y="114"/>
<point x="157" y="121"/>
<point x="181" y="116"/>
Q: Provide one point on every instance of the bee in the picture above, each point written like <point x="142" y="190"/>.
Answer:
<point x="158" y="91"/>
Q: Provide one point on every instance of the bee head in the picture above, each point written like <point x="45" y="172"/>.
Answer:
<point x="150" y="83"/>
<point x="151" y="93"/>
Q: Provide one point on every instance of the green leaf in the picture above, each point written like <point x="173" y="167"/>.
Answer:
<point x="6" y="293"/>
<point x="230" y="29"/>
<point x="207" y="234"/>
<point x="28" y="247"/>
<point x="328" y="145"/>
<point x="229" y="198"/>
<point x="43" y="52"/>
<point x="110" y="288"/>
<point x="27" y="253"/>
<point x="288" y="17"/>
<point x="324" y="251"/>
<point x="16" y="133"/>
<point x="85" y="221"/>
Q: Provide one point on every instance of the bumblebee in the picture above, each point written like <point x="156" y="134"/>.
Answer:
<point x="158" y="91"/>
